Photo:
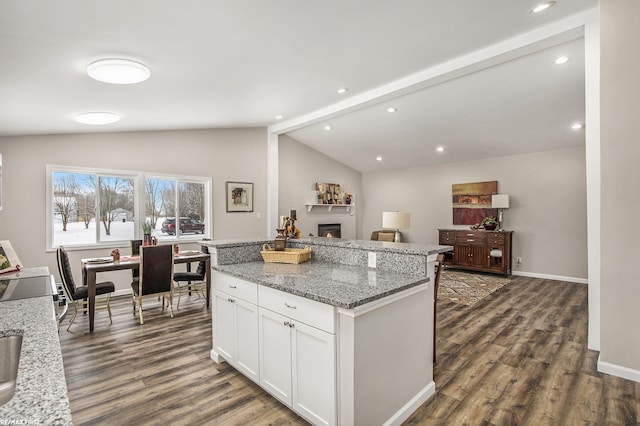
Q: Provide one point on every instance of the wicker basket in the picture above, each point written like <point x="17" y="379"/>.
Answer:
<point x="289" y="255"/>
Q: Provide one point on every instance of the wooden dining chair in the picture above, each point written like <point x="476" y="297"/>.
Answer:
<point x="156" y="277"/>
<point x="78" y="294"/>
<point x="192" y="281"/>
<point x="135" y="251"/>
<point x="436" y="281"/>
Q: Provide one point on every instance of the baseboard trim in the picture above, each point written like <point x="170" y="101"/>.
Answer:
<point x="551" y="277"/>
<point x="412" y="405"/>
<point x="618" y="371"/>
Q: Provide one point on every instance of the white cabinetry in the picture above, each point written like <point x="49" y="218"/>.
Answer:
<point x="298" y="360"/>
<point x="235" y="324"/>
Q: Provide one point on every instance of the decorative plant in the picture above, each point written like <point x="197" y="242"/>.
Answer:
<point x="490" y="222"/>
<point x="146" y="228"/>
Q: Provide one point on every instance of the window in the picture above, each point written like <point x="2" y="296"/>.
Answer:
<point x="164" y="197"/>
<point x="108" y="208"/>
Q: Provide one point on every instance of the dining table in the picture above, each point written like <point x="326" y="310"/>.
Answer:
<point x="92" y="266"/>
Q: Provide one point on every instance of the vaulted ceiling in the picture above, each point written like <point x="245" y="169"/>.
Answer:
<point x="475" y="78"/>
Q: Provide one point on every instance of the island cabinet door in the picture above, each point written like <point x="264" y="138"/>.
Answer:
<point x="314" y="373"/>
<point x="247" y="339"/>
<point x="224" y="326"/>
<point x="235" y="335"/>
<point x="275" y="354"/>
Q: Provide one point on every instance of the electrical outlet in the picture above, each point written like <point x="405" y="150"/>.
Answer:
<point x="258" y="215"/>
<point x="518" y="260"/>
<point x="372" y="259"/>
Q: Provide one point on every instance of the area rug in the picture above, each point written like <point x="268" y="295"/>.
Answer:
<point x="468" y="288"/>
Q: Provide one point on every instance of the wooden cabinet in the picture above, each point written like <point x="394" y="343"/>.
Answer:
<point x="480" y="250"/>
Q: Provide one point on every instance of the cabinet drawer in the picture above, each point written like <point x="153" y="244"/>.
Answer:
<point x="470" y="238"/>
<point x="233" y="286"/>
<point x="447" y="240"/>
<point x="494" y="237"/>
<point x="447" y="234"/>
<point x="310" y="312"/>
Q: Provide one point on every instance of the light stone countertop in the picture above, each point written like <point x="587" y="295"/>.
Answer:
<point x="338" y="285"/>
<point x="41" y="390"/>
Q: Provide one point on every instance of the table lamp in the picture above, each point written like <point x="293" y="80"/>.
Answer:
<point x="500" y="201"/>
<point x="397" y="221"/>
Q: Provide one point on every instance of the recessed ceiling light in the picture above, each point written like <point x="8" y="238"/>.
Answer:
<point x="379" y="158"/>
<point x="542" y="7"/>
<point x="342" y="90"/>
<point x="278" y="117"/>
<point x="327" y="127"/>
<point x="561" y="60"/>
<point x="97" y="118"/>
<point x="118" y="71"/>
<point x="577" y="126"/>
<point x="440" y="149"/>
<point x="391" y="109"/>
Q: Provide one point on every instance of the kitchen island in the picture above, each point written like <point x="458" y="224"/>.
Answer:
<point x="346" y="338"/>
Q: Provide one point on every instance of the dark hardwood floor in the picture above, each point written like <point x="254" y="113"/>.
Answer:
<point x="517" y="357"/>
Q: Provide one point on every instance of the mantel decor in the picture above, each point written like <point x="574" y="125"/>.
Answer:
<point x="239" y="197"/>
<point x="329" y="193"/>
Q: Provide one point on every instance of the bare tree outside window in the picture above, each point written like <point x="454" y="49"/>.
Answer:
<point x="116" y="195"/>
<point x="158" y="193"/>
<point x="65" y="192"/>
<point x="86" y="207"/>
<point x="192" y="200"/>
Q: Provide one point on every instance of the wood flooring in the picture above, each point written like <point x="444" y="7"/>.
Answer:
<point x="517" y="357"/>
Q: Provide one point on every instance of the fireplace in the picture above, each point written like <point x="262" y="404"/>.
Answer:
<point x="329" y="230"/>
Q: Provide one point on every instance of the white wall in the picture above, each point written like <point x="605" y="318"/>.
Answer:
<point x="223" y="154"/>
<point x="300" y="167"/>
<point x="547" y="214"/>
<point x="620" y="166"/>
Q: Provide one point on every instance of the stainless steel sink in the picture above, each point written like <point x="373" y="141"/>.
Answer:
<point x="10" y="346"/>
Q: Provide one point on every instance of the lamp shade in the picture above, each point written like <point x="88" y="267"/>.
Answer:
<point x="396" y="220"/>
<point x="500" y="201"/>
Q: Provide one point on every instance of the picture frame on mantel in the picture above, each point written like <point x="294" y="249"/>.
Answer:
<point x="239" y="197"/>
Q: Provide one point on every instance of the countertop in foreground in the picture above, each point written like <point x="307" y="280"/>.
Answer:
<point x="41" y="389"/>
<point x="334" y="284"/>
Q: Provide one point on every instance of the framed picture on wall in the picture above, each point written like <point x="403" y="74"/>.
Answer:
<point x="239" y="197"/>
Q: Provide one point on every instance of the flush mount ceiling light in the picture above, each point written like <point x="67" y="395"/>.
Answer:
<point x="379" y="158"/>
<point x="118" y="71"/>
<point x="542" y="7"/>
<point x="391" y="109"/>
<point x="278" y="117"/>
<point x="561" y="60"/>
<point x="577" y="126"/>
<point x="97" y="118"/>
<point x="342" y="90"/>
<point x="440" y="149"/>
<point x="327" y="127"/>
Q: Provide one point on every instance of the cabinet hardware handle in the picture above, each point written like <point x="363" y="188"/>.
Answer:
<point x="287" y="323"/>
<point x="470" y="241"/>
<point x="290" y="306"/>
<point x="231" y="300"/>
<point x="291" y="325"/>
<point x="232" y="286"/>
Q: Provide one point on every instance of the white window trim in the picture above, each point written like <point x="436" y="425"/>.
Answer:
<point x="139" y="204"/>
